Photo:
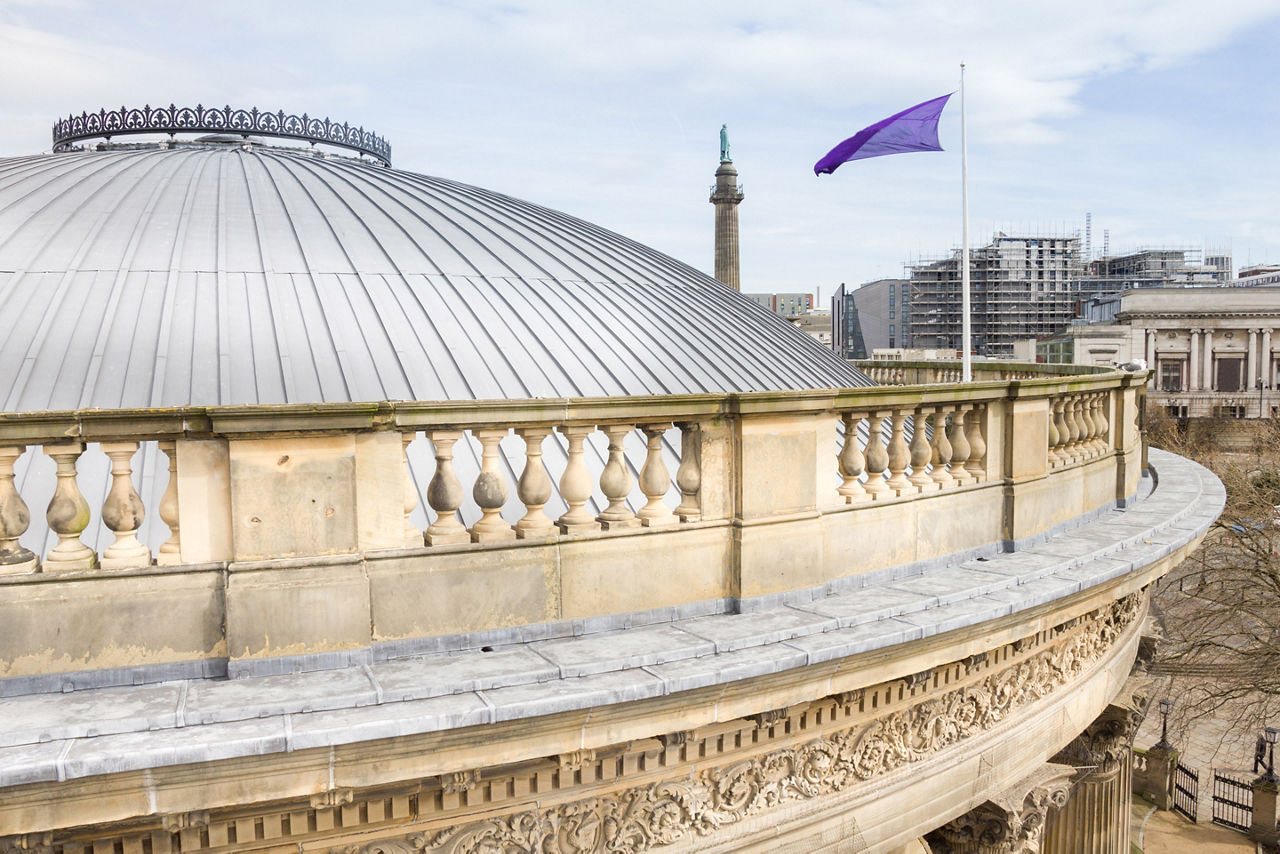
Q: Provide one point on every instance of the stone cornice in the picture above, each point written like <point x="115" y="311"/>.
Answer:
<point x="688" y="786"/>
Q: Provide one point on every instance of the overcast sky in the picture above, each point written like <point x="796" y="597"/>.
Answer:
<point x="1161" y="118"/>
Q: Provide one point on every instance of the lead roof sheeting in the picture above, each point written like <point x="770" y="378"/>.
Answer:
<point x="215" y="275"/>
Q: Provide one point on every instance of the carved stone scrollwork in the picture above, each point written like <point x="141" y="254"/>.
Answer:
<point x="27" y="843"/>
<point x="573" y="762"/>
<point x="711" y="798"/>
<point x="332" y="798"/>
<point x="849" y="698"/>
<point x="773" y="717"/>
<point x="1106" y="742"/>
<point x="676" y="739"/>
<point x="460" y="782"/>
<point x="176" y="822"/>
<point x="915" y="680"/>
<point x="1011" y="823"/>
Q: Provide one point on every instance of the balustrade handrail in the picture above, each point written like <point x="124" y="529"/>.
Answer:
<point x="282" y="419"/>
<point x="741" y="483"/>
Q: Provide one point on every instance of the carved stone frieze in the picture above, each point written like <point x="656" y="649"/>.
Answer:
<point x="699" y="804"/>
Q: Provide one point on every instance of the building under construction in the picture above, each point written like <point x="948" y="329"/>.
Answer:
<point x="1032" y="286"/>
<point x="1020" y="287"/>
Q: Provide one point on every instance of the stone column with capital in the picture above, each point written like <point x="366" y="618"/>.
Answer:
<point x="1253" y="359"/>
<point x="1266" y="358"/>
<point x="1013" y="822"/>
<point x="1206" y="374"/>
<point x="1095" y="820"/>
<point x="1151" y="358"/>
<point x="1193" y="362"/>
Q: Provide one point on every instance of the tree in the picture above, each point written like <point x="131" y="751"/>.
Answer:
<point x="1220" y="610"/>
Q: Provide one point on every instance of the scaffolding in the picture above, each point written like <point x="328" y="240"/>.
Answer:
<point x="1029" y="286"/>
<point x="1020" y="287"/>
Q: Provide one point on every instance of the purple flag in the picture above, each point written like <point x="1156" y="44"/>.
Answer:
<point x="913" y="129"/>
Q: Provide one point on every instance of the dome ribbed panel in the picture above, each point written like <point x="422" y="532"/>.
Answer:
<point x="209" y="275"/>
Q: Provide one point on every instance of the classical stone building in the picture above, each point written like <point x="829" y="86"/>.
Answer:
<point x="1210" y="349"/>
<point x="346" y="509"/>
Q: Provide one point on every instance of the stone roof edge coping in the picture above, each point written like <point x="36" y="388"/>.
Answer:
<point x="282" y="419"/>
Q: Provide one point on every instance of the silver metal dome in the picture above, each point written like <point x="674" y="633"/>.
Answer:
<point x="182" y="273"/>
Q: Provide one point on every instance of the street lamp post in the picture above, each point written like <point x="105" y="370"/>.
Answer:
<point x="1163" y="743"/>
<point x="1260" y="413"/>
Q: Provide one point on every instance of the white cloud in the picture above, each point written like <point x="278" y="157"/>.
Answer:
<point x="609" y="111"/>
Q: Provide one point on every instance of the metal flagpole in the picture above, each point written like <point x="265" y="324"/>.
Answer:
<point x="966" y="362"/>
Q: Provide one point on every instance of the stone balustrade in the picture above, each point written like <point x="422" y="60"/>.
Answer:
<point x="922" y="372"/>
<point x="315" y="534"/>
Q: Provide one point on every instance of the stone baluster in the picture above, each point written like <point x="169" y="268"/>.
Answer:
<point x="616" y="481"/>
<point x="14" y="518"/>
<point x="534" y="488"/>
<point x="1104" y="426"/>
<point x="1076" y="447"/>
<point x="976" y="464"/>
<point x="941" y="450"/>
<point x="490" y="490"/>
<point x="68" y="513"/>
<point x="1064" y="432"/>
<point x="655" y="480"/>
<point x="921" y="453"/>
<point x="899" y="455"/>
<point x="575" y="484"/>
<point x="960" y="449"/>
<point x="412" y="536"/>
<point x="123" y="511"/>
<point x="1054" y="438"/>
<point x="1068" y="431"/>
<point x="851" y="461"/>
<point x="444" y="493"/>
<point x="689" y="474"/>
<point x="1090" y="429"/>
<point x="170" y="552"/>
<point x="877" y="457"/>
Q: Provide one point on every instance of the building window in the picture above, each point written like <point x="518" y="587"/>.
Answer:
<point x="1171" y="376"/>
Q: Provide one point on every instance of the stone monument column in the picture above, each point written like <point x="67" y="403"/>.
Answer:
<point x="1095" y="820"/>
<point x="726" y="195"/>
<point x="1013" y="822"/>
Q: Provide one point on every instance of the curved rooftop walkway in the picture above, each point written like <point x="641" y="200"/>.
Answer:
<point x="56" y="737"/>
